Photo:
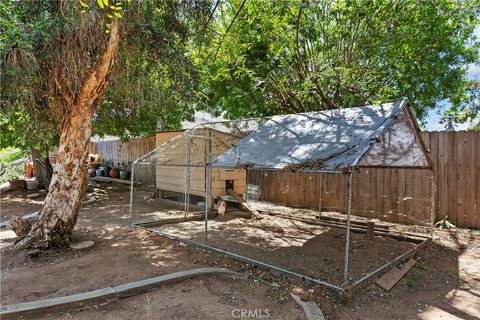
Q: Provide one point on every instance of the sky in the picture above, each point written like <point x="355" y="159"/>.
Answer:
<point x="433" y="118"/>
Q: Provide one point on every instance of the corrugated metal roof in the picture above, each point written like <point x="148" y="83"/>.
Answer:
<point x="330" y="140"/>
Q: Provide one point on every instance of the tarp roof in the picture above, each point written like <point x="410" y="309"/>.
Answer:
<point x="202" y="120"/>
<point x="332" y="140"/>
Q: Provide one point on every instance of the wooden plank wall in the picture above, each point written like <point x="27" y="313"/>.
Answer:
<point x="456" y="157"/>
<point x="397" y="195"/>
<point x="173" y="152"/>
<point x="118" y="152"/>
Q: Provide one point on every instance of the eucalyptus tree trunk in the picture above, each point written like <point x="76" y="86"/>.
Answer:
<point x="69" y="182"/>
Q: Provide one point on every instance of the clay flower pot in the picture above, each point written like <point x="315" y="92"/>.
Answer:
<point x="29" y="171"/>
<point x="94" y="165"/>
<point x="114" y="172"/>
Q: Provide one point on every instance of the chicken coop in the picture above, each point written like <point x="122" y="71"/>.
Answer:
<point x="179" y="162"/>
<point x="194" y="149"/>
<point x="328" y="196"/>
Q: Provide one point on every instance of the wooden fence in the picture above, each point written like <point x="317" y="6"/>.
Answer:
<point x="456" y="157"/>
<point x="117" y="152"/>
<point x="397" y="195"/>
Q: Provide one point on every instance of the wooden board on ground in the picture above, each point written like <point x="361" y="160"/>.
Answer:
<point x="244" y="204"/>
<point x="161" y="222"/>
<point x="109" y="179"/>
<point x="389" y="280"/>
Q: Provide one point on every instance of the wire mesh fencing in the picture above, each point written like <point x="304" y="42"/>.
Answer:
<point x="303" y="225"/>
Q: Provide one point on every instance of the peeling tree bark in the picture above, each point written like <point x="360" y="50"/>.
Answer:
<point x="69" y="182"/>
<point x="19" y="226"/>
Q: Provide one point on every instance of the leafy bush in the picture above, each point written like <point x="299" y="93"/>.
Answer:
<point x="9" y="172"/>
<point x="444" y="223"/>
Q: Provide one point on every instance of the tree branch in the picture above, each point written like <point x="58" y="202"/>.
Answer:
<point x="228" y="29"/>
<point x="94" y="85"/>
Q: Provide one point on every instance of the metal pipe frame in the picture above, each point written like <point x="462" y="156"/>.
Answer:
<point x="396" y="167"/>
<point x="207" y="247"/>
<point x="388" y="264"/>
<point x="320" y="188"/>
<point x="228" y="121"/>
<point x="253" y="168"/>
<point x="397" y="108"/>
<point x="345" y="287"/>
<point x="432" y="209"/>
<point x="208" y="187"/>
<point x="347" y="235"/>
<point x="342" y="290"/>
<point x="173" y="165"/>
<point x="130" y="210"/>
<point x="187" y="175"/>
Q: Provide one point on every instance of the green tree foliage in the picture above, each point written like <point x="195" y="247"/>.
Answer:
<point x="469" y="110"/>
<point x="47" y="47"/>
<point x="60" y="64"/>
<point x="303" y="55"/>
<point x="25" y="120"/>
<point x="153" y="76"/>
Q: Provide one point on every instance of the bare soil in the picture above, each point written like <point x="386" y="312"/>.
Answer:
<point x="444" y="282"/>
<point x="312" y="250"/>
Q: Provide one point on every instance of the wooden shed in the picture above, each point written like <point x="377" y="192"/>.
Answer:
<point x="180" y="159"/>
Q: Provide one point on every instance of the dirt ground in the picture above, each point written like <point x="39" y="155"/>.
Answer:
<point x="312" y="250"/>
<point x="444" y="283"/>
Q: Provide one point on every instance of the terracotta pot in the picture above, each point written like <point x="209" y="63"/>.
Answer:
<point x="94" y="165"/>
<point x="114" y="172"/>
<point x="29" y="172"/>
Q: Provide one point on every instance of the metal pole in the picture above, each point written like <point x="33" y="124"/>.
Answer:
<point x="246" y="180"/>
<point x="207" y="200"/>
<point x="208" y="188"/>
<point x="187" y="175"/>
<point x="432" y="211"/>
<point x="131" y="195"/>
<point x="320" y="186"/>
<point x="386" y="265"/>
<point x="347" y="236"/>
